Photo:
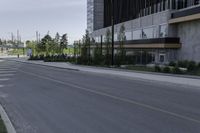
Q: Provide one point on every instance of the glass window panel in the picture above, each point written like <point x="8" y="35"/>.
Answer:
<point x="162" y="58"/>
<point x="128" y="35"/>
<point x="104" y="38"/>
<point x="115" y="37"/>
<point x="137" y="34"/>
<point x="148" y="33"/>
<point x="98" y="39"/>
<point x="163" y="31"/>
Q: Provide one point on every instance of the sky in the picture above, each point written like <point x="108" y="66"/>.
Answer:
<point x="29" y="16"/>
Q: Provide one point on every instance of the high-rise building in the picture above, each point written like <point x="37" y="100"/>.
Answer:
<point x="157" y="31"/>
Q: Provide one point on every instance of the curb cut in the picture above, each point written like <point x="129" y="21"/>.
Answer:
<point x="9" y="126"/>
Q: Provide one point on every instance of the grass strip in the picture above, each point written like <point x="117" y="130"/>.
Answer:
<point x="2" y="127"/>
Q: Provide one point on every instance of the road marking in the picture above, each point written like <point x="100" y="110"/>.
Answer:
<point x="117" y="98"/>
<point x="3" y="95"/>
<point x="6" y="75"/>
<point x="1" y="86"/>
<point x="4" y="79"/>
<point x="4" y="72"/>
<point x="7" y="69"/>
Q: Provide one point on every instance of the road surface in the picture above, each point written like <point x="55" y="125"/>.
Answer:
<point x="41" y="99"/>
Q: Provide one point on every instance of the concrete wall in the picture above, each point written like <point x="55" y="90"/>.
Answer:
<point x="189" y="33"/>
<point x="140" y="23"/>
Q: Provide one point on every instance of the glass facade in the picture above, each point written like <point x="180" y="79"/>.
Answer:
<point x="163" y="32"/>
<point x="137" y="34"/>
<point x="90" y="15"/>
<point x="125" y="10"/>
<point x="98" y="39"/>
<point x="148" y="33"/>
<point x="115" y="37"/>
<point x="180" y="4"/>
<point x="128" y="35"/>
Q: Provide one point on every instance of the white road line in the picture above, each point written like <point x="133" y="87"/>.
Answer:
<point x="3" y="95"/>
<point x="6" y="75"/>
<point x="117" y="98"/>
<point x="4" y="79"/>
<point x="2" y="72"/>
<point x="7" y="69"/>
<point x="1" y="86"/>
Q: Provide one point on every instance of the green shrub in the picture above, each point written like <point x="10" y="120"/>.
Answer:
<point x="172" y="63"/>
<point x="157" y="69"/>
<point x="176" y="70"/>
<point x="182" y="64"/>
<point x="2" y="126"/>
<point x="191" y="66"/>
<point x="166" y="69"/>
<point x="40" y="57"/>
<point x="199" y="65"/>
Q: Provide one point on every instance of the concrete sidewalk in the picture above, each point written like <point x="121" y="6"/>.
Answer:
<point x="177" y="79"/>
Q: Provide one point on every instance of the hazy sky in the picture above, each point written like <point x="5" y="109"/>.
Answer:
<point x="28" y="16"/>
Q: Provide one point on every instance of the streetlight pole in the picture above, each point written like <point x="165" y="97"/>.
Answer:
<point x="112" y="24"/>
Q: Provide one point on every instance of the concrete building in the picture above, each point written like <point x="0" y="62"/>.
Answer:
<point x="157" y="31"/>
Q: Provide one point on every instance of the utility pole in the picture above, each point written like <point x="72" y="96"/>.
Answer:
<point x="37" y="38"/>
<point x="37" y="42"/>
<point x="112" y="24"/>
<point x="17" y="45"/>
<point x="17" y="37"/>
<point x="12" y="38"/>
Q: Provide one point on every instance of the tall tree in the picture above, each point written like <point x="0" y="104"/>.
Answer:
<point x="46" y="44"/>
<point x="121" y="38"/>
<point x="63" y="43"/>
<point x="31" y="45"/>
<point x="57" y="43"/>
<point x="85" y="51"/>
<point x="108" y="40"/>
<point x="97" y="54"/>
<point x="1" y="42"/>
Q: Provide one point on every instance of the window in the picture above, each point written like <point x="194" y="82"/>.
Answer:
<point x="104" y="38"/>
<point x="128" y="35"/>
<point x="115" y="37"/>
<point x="163" y="31"/>
<point x="148" y="33"/>
<point x="137" y="34"/>
<point x="162" y="58"/>
<point x="97" y="39"/>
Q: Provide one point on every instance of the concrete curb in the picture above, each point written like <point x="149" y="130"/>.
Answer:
<point x="46" y="65"/>
<point x="9" y="126"/>
<point x="179" y="80"/>
<point x="113" y="69"/>
<point x="142" y="72"/>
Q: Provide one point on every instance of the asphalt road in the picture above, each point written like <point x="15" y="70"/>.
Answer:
<point x="41" y="99"/>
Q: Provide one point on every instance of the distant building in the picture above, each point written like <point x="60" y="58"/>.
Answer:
<point x="157" y="31"/>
